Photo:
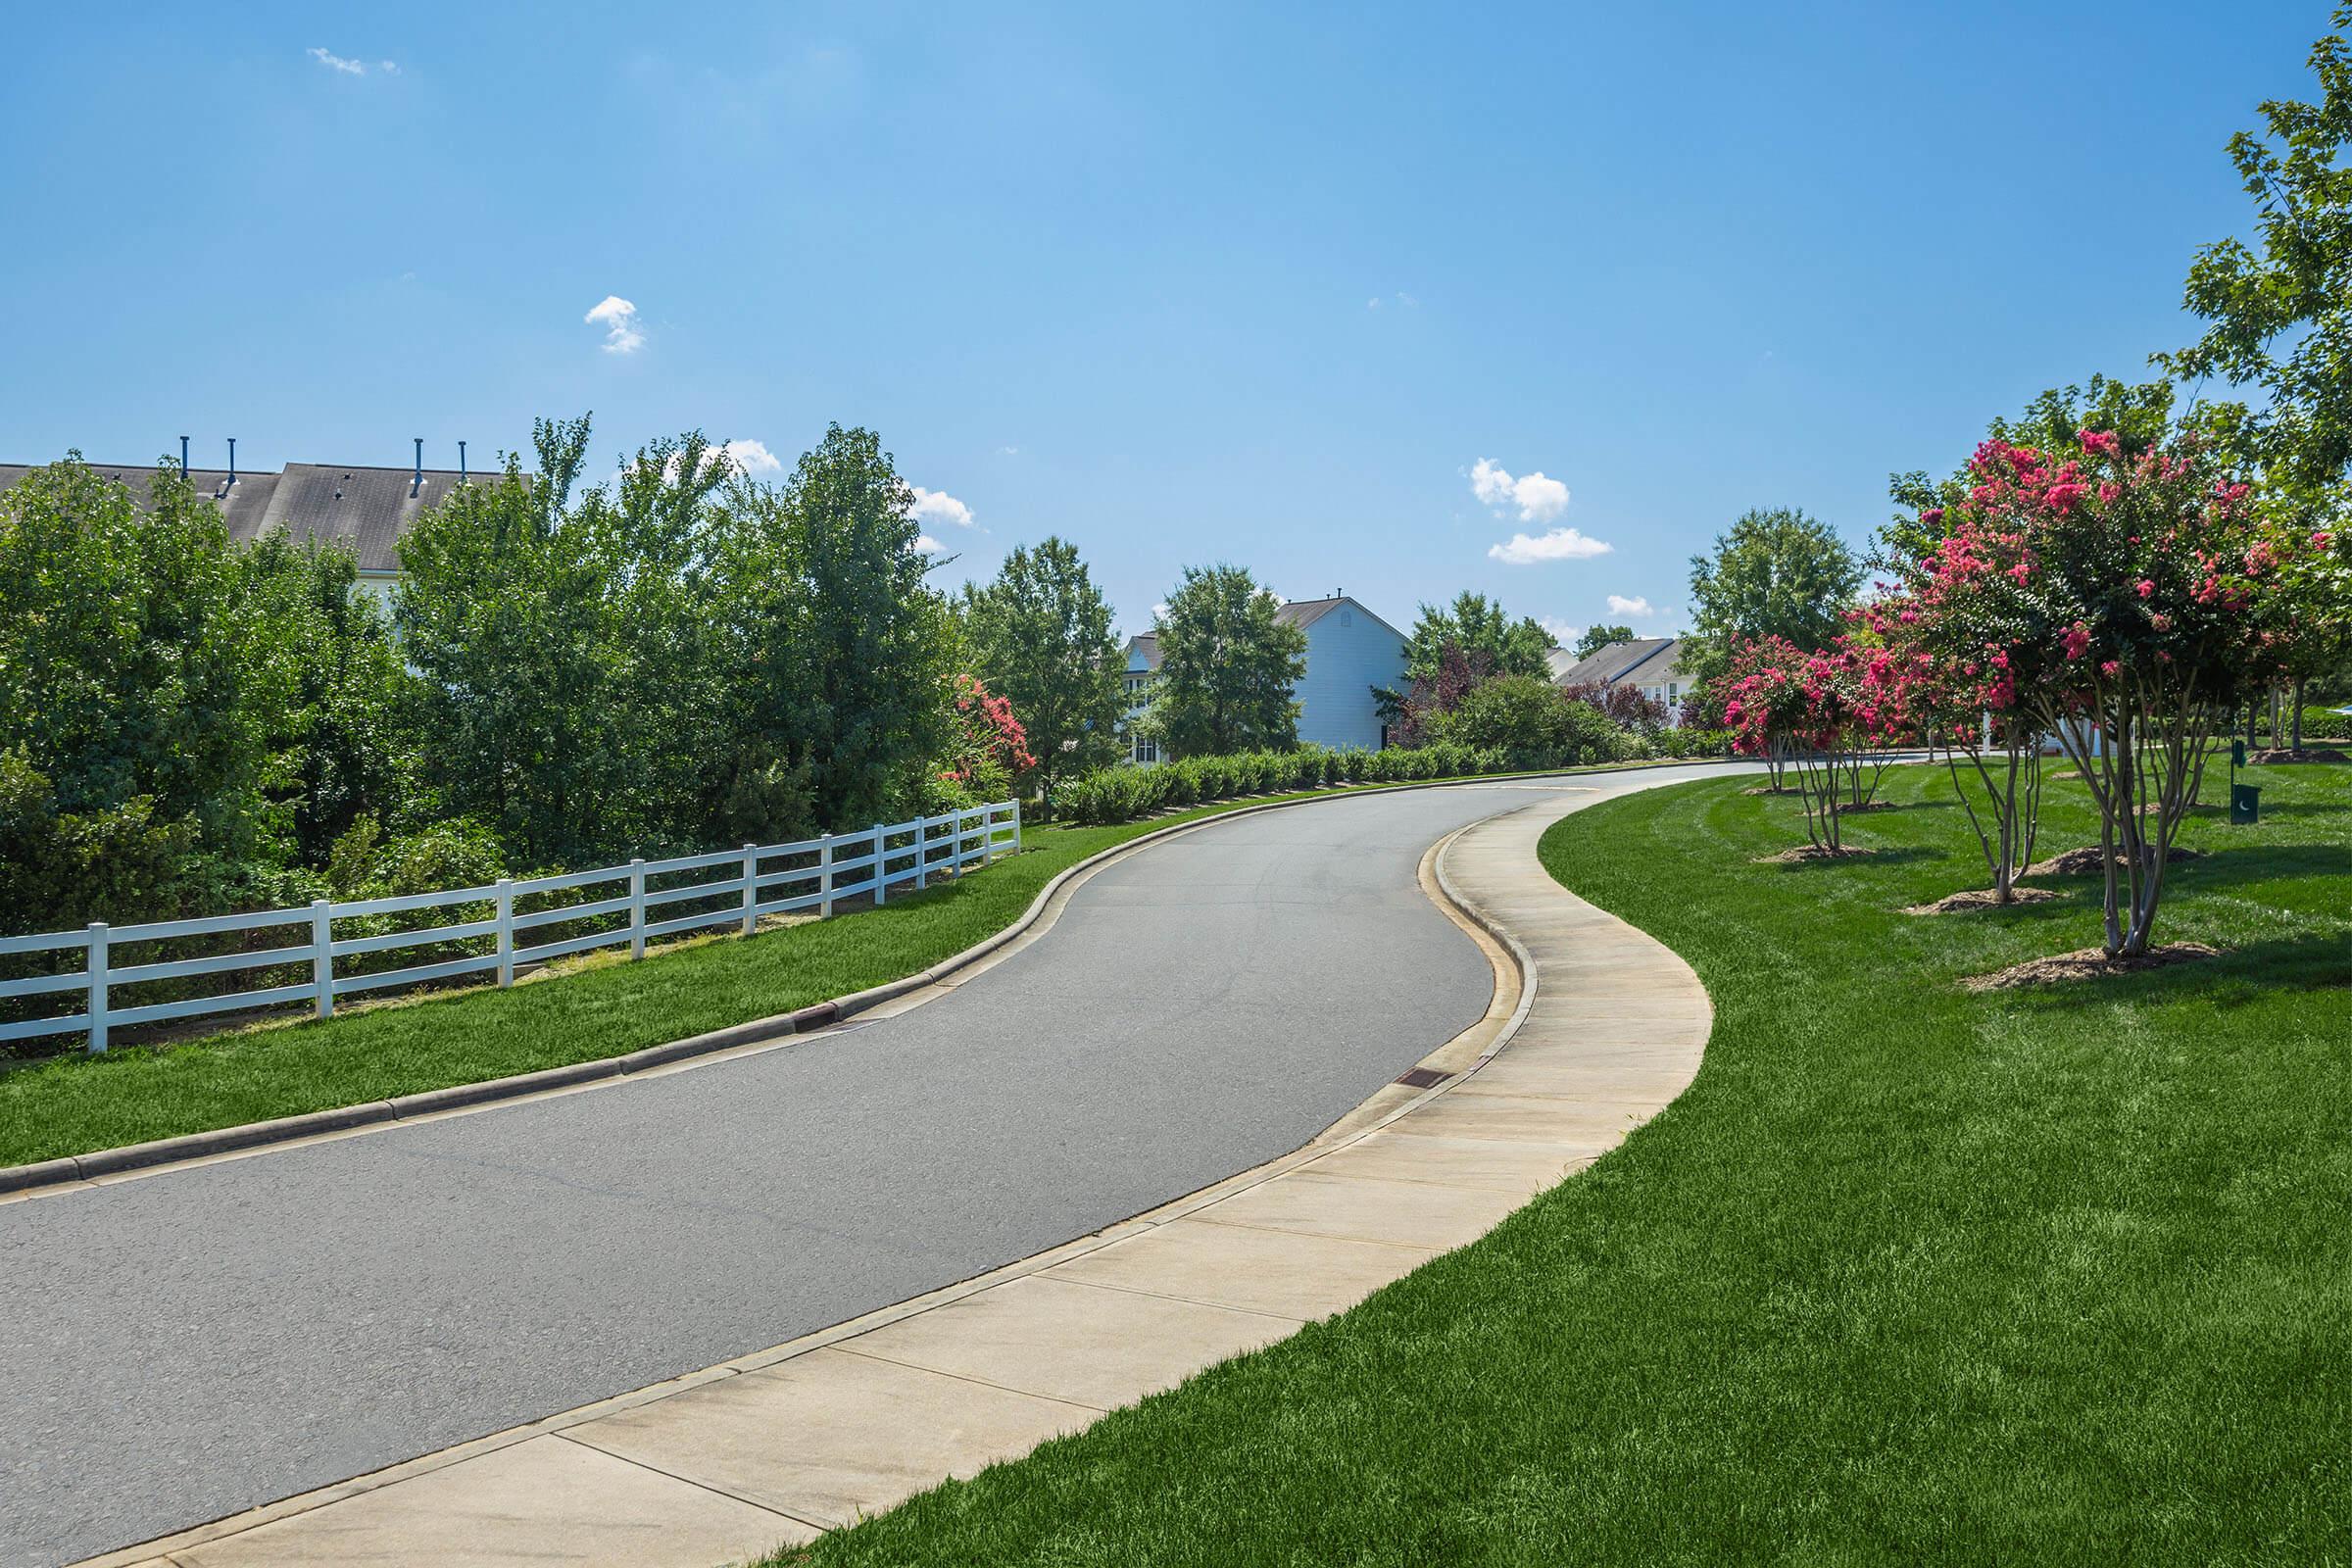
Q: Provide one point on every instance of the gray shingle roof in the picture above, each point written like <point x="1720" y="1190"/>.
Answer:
<point x="1304" y="612"/>
<point x="365" y="509"/>
<point x="1644" y="659"/>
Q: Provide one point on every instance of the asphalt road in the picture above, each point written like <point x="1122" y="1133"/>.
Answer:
<point x="194" y="1343"/>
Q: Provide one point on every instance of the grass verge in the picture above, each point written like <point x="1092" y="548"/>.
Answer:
<point x="1910" y="1273"/>
<point x="598" y="1007"/>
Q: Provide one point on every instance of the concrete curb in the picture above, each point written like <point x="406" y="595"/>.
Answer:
<point x="73" y="1170"/>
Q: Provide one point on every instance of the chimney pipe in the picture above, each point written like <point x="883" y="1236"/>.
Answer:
<point x="417" y="484"/>
<point x="183" y="457"/>
<point x="461" y="463"/>
<point x="232" y="460"/>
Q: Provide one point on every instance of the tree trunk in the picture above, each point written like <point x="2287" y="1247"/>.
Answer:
<point x="2297" y="741"/>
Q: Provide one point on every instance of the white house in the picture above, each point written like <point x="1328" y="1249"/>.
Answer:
<point x="1350" y="650"/>
<point x="1650" y="665"/>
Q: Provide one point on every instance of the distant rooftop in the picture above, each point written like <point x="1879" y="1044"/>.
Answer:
<point x="1643" y="658"/>
<point x="365" y="509"/>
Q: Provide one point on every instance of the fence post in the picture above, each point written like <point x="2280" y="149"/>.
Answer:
<point x="1016" y="827"/>
<point x="922" y="849"/>
<point x="751" y="888"/>
<point x="505" y="932"/>
<point x="824" y="877"/>
<point x="97" y="971"/>
<point x="322" y="959"/>
<point x="637" y="908"/>
<point x="881" y="881"/>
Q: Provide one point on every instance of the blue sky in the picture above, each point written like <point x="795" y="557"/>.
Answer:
<point x="1182" y="284"/>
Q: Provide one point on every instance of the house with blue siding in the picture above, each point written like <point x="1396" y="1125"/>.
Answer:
<point x="1348" y="651"/>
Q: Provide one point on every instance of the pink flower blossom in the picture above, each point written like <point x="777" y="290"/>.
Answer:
<point x="2146" y="587"/>
<point x="2078" y="640"/>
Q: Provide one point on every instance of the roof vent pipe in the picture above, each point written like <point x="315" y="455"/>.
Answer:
<point x="417" y="484"/>
<point x="461" y="463"/>
<point x="232" y="460"/>
<point x="183" y="457"/>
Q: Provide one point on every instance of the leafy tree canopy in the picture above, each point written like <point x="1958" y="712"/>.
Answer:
<point x="1040" y="637"/>
<point x="1484" y="631"/>
<point x="2279" y="310"/>
<point x="1227" y="665"/>
<point x="1596" y="637"/>
<point x="1775" y="574"/>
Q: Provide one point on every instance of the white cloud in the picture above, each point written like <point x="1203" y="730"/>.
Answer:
<point x="1637" y="607"/>
<point x="1538" y="497"/>
<point x="929" y="546"/>
<point x="1010" y="451"/>
<point x="336" y="63"/>
<point x="1159" y="612"/>
<point x="1559" y="543"/>
<point x="390" y="67"/>
<point x="1560" y="632"/>
<point x="619" y="318"/>
<point x="935" y="507"/>
<point x="751" y="457"/>
<point x="1406" y="300"/>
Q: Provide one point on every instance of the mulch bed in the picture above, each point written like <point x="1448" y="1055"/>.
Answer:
<point x="2084" y="862"/>
<point x="1809" y="853"/>
<point x="1983" y="899"/>
<point x="1869" y="806"/>
<point x="2284" y="756"/>
<point x="1770" y="789"/>
<point x="2090" y="964"/>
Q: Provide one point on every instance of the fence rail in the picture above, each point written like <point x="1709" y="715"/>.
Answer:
<point x="885" y="855"/>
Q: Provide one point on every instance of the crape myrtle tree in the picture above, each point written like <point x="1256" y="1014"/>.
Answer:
<point x="1227" y="666"/>
<point x="1951" y="697"/>
<point x="2124" y="602"/>
<point x="1040" y="634"/>
<point x="1819" y="711"/>
<point x="987" y="746"/>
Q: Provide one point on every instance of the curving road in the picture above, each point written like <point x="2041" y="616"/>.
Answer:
<point x="192" y="1343"/>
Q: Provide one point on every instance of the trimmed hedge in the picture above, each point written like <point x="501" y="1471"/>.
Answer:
<point x="1123" y="794"/>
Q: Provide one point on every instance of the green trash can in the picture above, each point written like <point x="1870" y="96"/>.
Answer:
<point x="2245" y="803"/>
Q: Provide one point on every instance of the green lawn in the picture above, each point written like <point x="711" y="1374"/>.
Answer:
<point x="1909" y="1273"/>
<point x="607" y="1008"/>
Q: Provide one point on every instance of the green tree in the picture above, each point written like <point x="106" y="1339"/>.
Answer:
<point x="1775" y="574"/>
<point x="1479" y="626"/>
<point x="343" y="745"/>
<point x="565" y="653"/>
<point x="1226" y="666"/>
<point x="1531" y="723"/>
<point x="137" y="679"/>
<point x="1600" y="637"/>
<point x="2279" y="310"/>
<point x="837" y="655"/>
<point x="1040" y="637"/>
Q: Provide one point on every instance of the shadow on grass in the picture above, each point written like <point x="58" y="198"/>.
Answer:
<point x="2238" y="976"/>
<point x="2229" y="864"/>
<point x="1869" y="854"/>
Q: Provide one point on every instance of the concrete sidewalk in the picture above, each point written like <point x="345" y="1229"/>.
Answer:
<point x="772" y="1448"/>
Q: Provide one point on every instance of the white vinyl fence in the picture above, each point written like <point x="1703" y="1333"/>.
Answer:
<point x="748" y="885"/>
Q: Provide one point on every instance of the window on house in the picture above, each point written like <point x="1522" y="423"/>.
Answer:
<point x="1147" y="750"/>
<point x="1346" y="617"/>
